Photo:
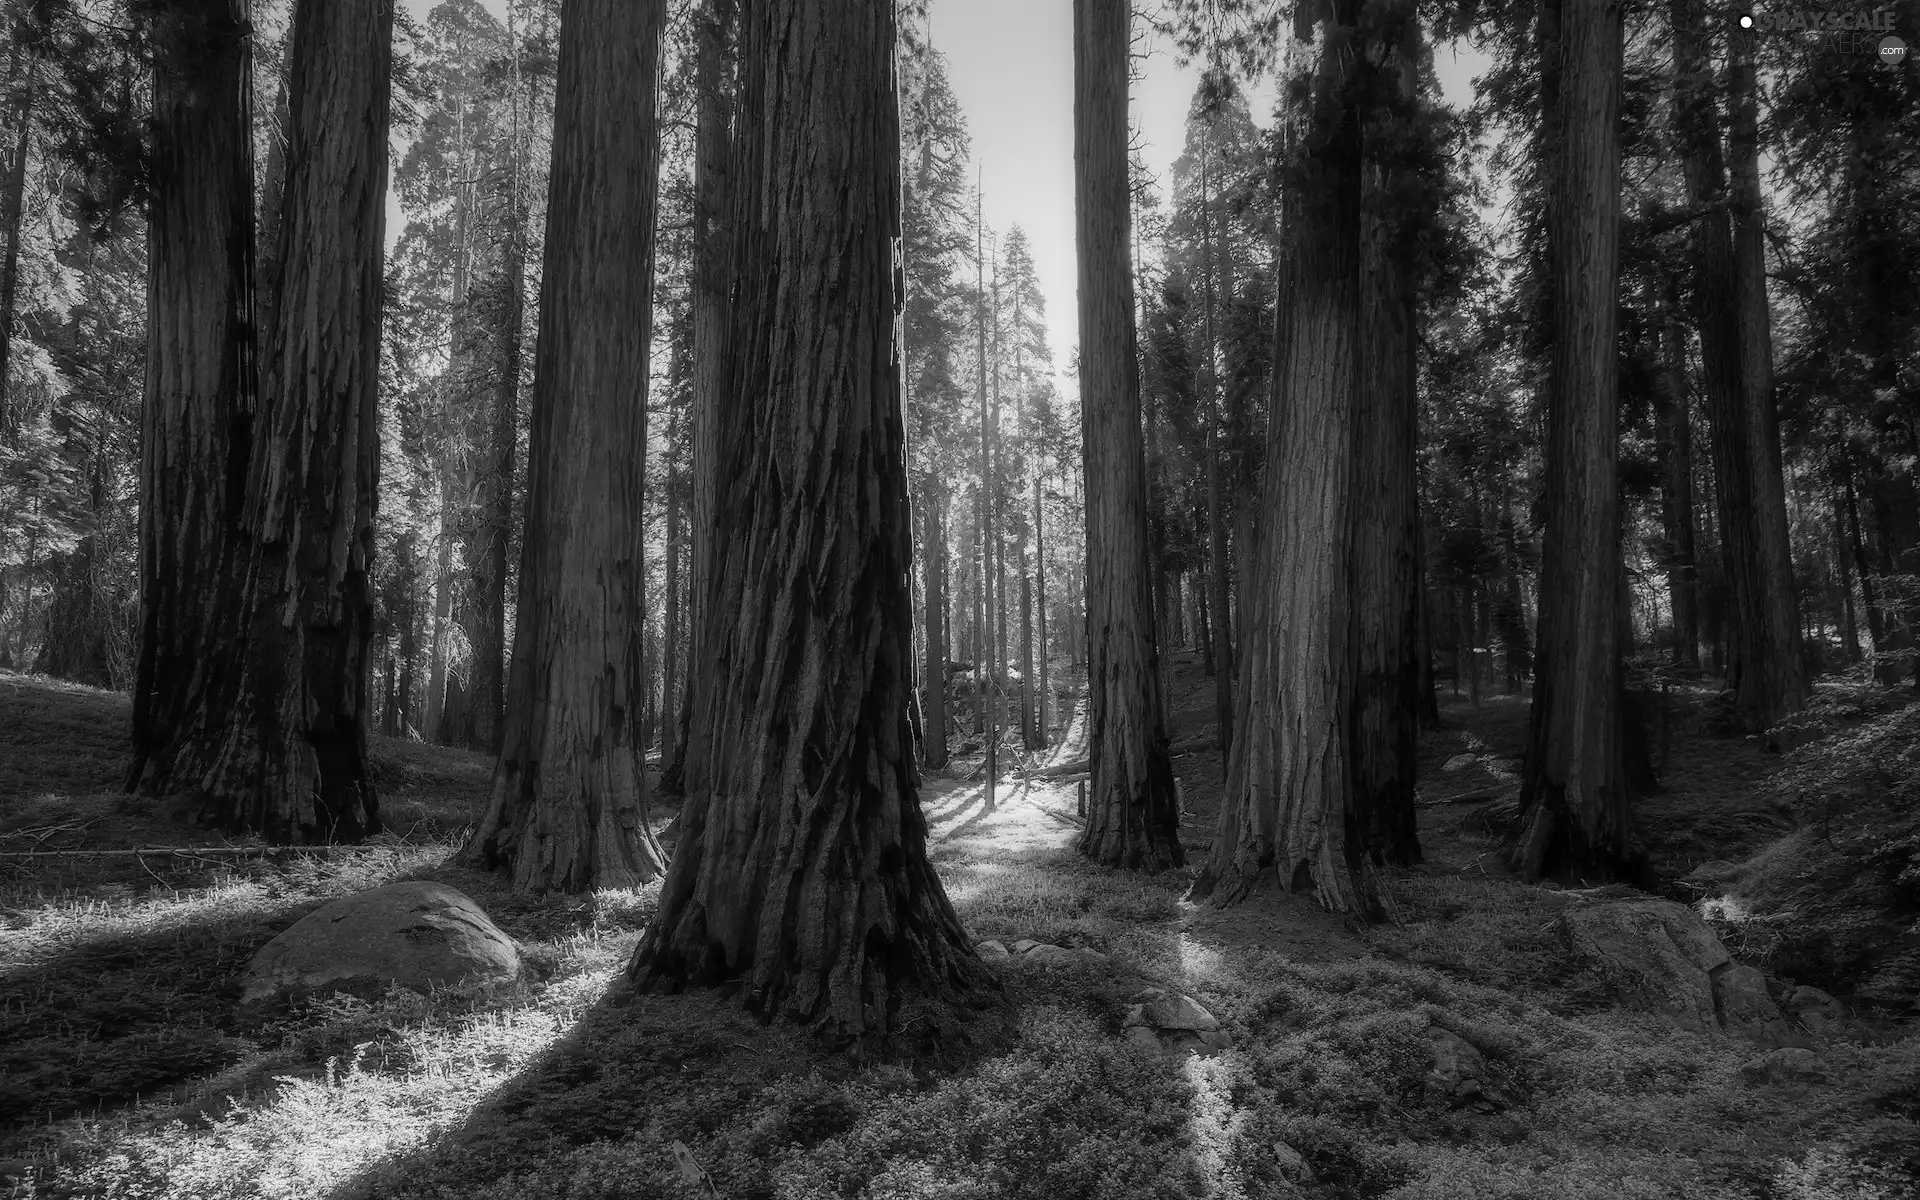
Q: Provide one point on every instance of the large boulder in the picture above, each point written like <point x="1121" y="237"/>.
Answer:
<point x="1659" y="955"/>
<point x="419" y="935"/>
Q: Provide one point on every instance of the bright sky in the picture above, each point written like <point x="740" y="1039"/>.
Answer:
<point x="1011" y="66"/>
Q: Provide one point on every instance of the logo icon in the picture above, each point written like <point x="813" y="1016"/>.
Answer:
<point x="1893" y="51"/>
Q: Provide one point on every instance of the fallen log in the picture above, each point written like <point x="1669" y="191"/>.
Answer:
<point x="1082" y="766"/>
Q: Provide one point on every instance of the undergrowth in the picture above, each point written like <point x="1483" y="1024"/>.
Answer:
<point x="1837" y="902"/>
<point x="119" y="1020"/>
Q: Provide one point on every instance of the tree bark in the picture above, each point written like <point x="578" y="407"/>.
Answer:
<point x="1386" y="569"/>
<point x="1575" y="785"/>
<point x="1289" y="776"/>
<point x="1772" y="682"/>
<point x="568" y="807"/>
<point x="1133" y="812"/>
<point x="201" y="387"/>
<point x="1764" y="668"/>
<point x="293" y="765"/>
<point x="801" y="875"/>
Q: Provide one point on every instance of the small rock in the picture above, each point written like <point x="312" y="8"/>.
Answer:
<point x="1024" y="945"/>
<point x="417" y="935"/>
<point x="1459" y="762"/>
<point x="1458" y="1073"/>
<point x="1292" y="1164"/>
<point x="1790" y="1065"/>
<point x="1740" y="995"/>
<point x="1803" y="1001"/>
<point x="1062" y="956"/>
<point x="991" y="949"/>
<point x="1143" y="1037"/>
<point x="1163" y="1009"/>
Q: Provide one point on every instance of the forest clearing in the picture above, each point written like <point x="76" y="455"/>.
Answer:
<point x="785" y="599"/>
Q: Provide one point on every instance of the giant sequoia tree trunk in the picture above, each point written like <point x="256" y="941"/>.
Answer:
<point x="1764" y="667"/>
<point x="293" y="766"/>
<point x="1575" y="785"/>
<point x="801" y="873"/>
<point x="197" y="416"/>
<point x="1771" y="683"/>
<point x="1289" y="777"/>
<point x="568" y="810"/>
<point x="1386" y="569"/>
<point x="1133" y="814"/>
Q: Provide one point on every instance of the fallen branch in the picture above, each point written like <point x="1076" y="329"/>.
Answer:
<point x="1464" y="798"/>
<point x="193" y="851"/>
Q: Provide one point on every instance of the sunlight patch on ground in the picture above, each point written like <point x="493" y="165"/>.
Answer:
<point x="415" y="1075"/>
<point x="41" y="924"/>
<point x="1723" y="908"/>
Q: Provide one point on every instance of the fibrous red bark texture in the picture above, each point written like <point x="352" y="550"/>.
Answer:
<point x="1133" y="811"/>
<point x="801" y="874"/>
<point x="568" y="810"/>
<point x="293" y="762"/>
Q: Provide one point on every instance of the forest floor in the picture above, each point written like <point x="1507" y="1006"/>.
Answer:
<point x="124" y="1071"/>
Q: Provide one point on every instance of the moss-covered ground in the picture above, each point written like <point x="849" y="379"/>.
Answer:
<point x="124" y="1071"/>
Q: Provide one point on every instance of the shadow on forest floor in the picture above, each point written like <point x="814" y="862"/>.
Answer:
<point x="565" y="1091"/>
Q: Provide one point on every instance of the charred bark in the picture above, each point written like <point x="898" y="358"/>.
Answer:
<point x="201" y="388"/>
<point x="293" y="759"/>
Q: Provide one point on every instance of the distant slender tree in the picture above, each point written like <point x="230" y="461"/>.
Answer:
<point x="197" y="424"/>
<point x="713" y="108"/>
<point x="801" y="874"/>
<point x="1133" y="813"/>
<point x="568" y="810"/>
<point x="293" y="758"/>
